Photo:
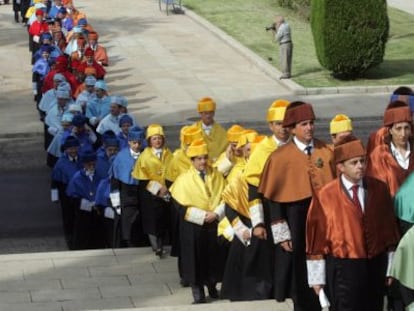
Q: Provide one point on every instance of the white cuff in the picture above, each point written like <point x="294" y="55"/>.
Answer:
<point x="52" y="130"/>
<point x="228" y="233"/>
<point x="281" y="232"/>
<point x="239" y="228"/>
<point x="195" y="215"/>
<point x="109" y="213"/>
<point x="154" y="187"/>
<point x="115" y="199"/>
<point x="118" y="210"/>
<point x="93" y="120"/>
<point x="220" y="209"/>
<point x="86" y="205"/>
<point x="316" y="272"/>
<point x="389" y="264"/>
<point x="224" y="166"/>
<point x="36" y="39"/>
<point x="256" y="212"/>
<point x="54" y="195"/>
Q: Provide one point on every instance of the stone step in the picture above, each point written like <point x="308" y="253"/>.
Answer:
<point x="107" y="279"/>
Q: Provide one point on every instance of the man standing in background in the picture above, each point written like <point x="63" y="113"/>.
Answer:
<point x="283" y="36"/>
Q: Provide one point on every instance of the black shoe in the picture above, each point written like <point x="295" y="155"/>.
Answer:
<point x="160" y="253"/>
<point x="184" y="283"/>
<point x="212" y="292"/>
<point x="198" y="294"/>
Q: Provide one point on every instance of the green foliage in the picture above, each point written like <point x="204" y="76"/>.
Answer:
<point x="349" y="36"/>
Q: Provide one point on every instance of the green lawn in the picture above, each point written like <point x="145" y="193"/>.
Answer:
<point x="245" y="20"/>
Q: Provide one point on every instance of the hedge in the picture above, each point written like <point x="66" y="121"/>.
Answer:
<point x="350" y="36"/>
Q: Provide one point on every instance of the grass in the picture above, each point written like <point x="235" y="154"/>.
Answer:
<point x="245" y="20"/>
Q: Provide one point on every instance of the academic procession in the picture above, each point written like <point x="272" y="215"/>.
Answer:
<point x="248" y="215"/>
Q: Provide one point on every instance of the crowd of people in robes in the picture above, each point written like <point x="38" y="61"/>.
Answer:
<point x="280" y="216"/>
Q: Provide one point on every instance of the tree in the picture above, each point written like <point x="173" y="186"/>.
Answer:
<point x="350" y="36"/>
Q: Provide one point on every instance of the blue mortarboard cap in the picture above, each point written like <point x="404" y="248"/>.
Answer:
<point x="79" y="120"/>
<point x="67" y="117"/>
<point x="100" y="84"/>
<point x="112" y="142"/>
<point x="135" y="133"/>
<point x="88" y="156"/>
<point x="45" y="35"/>
<point x="62" y="10"/>
<point x="59" y="77"/>
<point x="46" y="48"/>
<point x="123" y="101"/>
<point x="90" y="80"/>
<point x="125" y="119"/>
<point x="395" y="97"/>
<point x="77" y="29"/>
<point x="62" y="94"/>
<point x="108" y="134"/>
<point x="82" y="22"/>
<point x="70" y="141"/>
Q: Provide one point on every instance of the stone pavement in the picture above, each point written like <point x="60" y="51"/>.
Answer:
<point x="119" y="279"/>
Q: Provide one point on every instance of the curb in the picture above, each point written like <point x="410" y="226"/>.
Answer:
<point x="273" y="73"/>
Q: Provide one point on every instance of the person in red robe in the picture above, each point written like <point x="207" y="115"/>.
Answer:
<point x="100" y="56"/>
<point x="351" y="233"/>
<point x="90" y="62"/>
<point x="61" y="66"/>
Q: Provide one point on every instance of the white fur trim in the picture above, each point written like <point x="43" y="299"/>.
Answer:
<point x="229" y="233"/>
<point x="109" y="213"/>
<point x="54" y="195"/>
<point x="256" y="213"/>
<point x="224" y="166"/>
<point x="239" y="228"/>
<point x="195" y="215"/>
<point x="86" y="205"/>
<point x="389" y="263"/>
<point x="281" y="232"/>
<point x="316" y="272"/>
<point x="154" y="187"/>
<point x="220" y="209"/>
<point x="115" y="199"/>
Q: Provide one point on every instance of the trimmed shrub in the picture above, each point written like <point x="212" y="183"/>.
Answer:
<point x="350" y="36"/>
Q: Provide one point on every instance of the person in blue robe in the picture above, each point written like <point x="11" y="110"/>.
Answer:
<point x="124" y="191"/>
<point x="82" y="189"/>
<point x="63" y="171"/>
<point x="104" y="160"/>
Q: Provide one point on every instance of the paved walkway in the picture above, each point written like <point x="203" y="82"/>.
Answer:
<point x="101" y="279"/>
<point x="403" y="5"/>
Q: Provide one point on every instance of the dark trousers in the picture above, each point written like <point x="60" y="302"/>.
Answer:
<point x="356" y="284"/>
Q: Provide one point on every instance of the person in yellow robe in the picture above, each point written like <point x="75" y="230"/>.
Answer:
<point x="232" y="156"/>
<point x="153" y="193"/>
<point x="339" y="127"/>
<point x="213" y="133"/>
<point x="179" y="164"/>
<point x="258" y="158"/>
<point x="197" y="193"/>
<point x="249" y="265"/>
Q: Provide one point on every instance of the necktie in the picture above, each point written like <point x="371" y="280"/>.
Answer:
<point x="355" y="199"/>
<point x="203" y="176"/>
<point x="308" y="150"/>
